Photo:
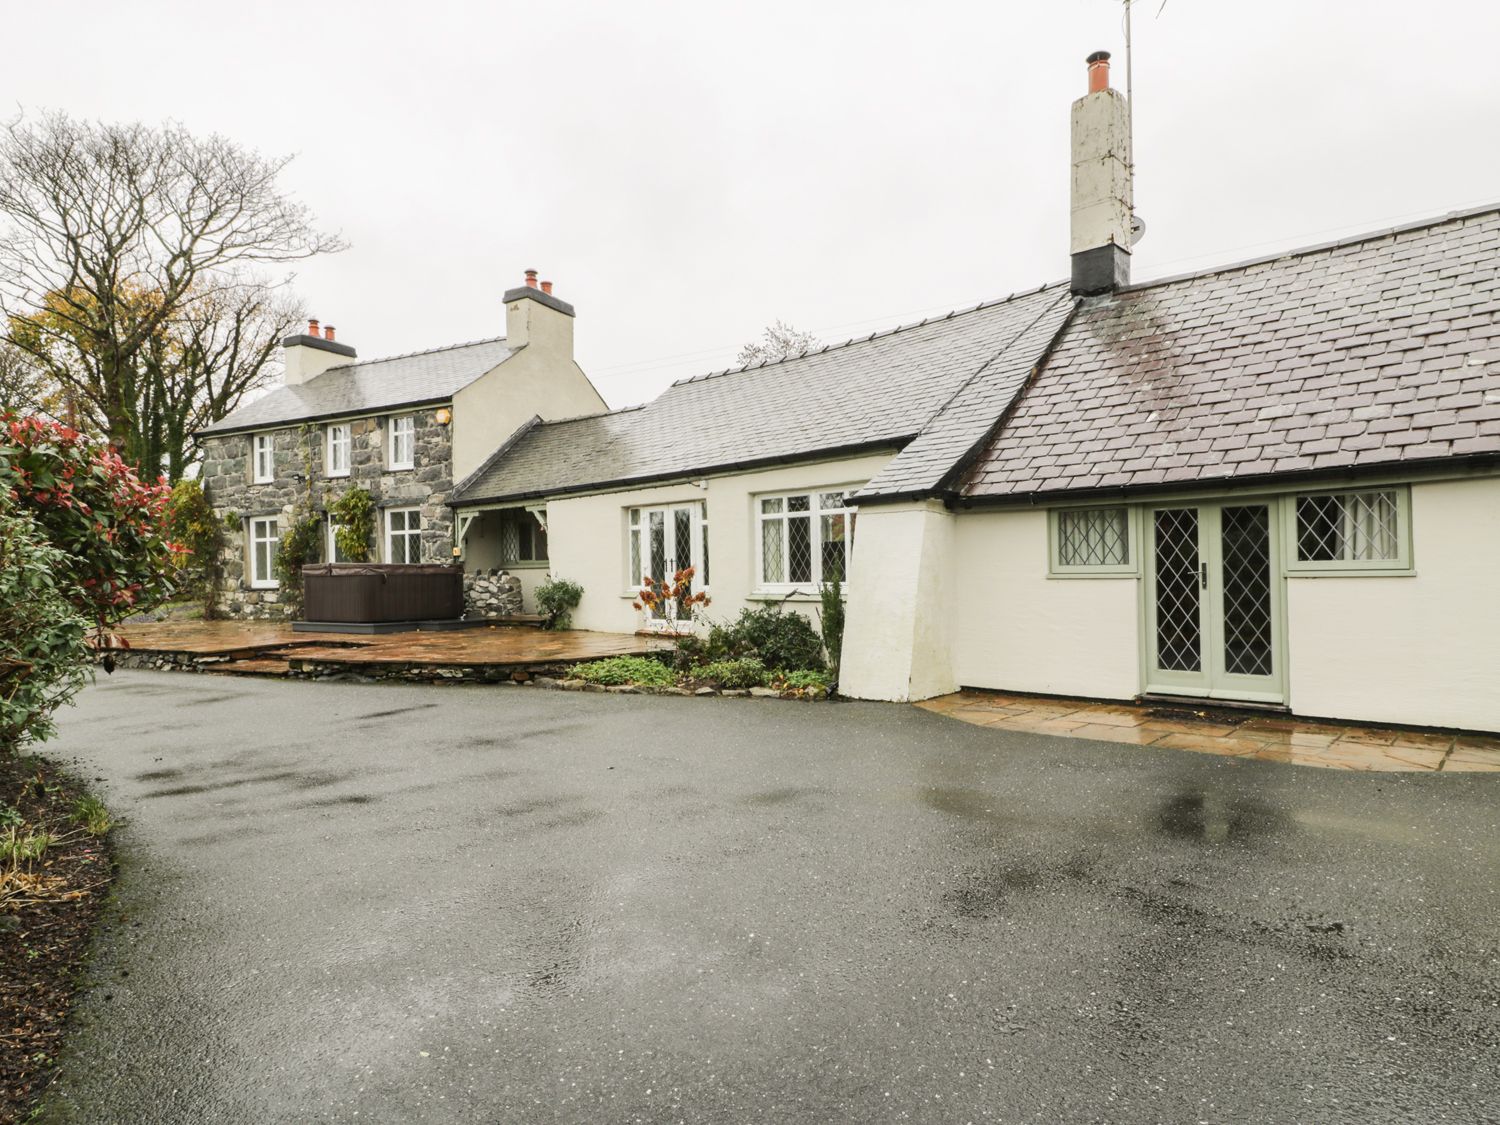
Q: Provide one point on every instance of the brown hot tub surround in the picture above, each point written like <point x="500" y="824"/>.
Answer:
<point x="381" y="593"/>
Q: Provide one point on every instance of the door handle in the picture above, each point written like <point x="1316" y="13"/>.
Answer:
<point x="1203" y="576"/>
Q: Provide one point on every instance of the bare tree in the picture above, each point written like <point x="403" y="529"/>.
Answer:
<point x="779" y="341"/>
<point x="24" y="388"/>
<point x="219" y="348"/>
<point x="111" y="234"/>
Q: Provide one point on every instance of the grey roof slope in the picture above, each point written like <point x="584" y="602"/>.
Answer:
<point x="955" y="433"/>
<point x="873" y="392"/>
<point x="1377" y="351"/>
<point x="370" y="385"/>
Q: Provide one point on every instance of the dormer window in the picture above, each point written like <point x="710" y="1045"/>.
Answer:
<point x="403" y="445"/>
<point x="336" y="462"/>
<point x="264" y="458"/>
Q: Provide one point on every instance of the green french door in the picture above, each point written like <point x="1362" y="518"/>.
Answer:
<point x="1213" y="602"/>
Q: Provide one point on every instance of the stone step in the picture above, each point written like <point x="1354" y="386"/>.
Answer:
<point x="264" y="666"/>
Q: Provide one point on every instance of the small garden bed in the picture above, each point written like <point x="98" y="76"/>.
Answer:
<point x="648" y="675"/>
<point x="54" y="873"/>
<point x="766" y="652"/>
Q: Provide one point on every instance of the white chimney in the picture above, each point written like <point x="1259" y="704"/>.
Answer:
<point x="534" y="318"/>
<point x="1103" y="200"/>
<point x="312" y="353"/>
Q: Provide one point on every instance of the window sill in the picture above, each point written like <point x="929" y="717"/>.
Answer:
<point x="1372" y="572"/>
<point x="542" y="564"/>
<point x="263" y="480"/>
<point x="794" y="595"/>
<point x="1068" y="575"/>
<point x="336" y="476"/>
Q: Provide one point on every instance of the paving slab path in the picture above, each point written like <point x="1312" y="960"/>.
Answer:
<point x="347" y="902"/>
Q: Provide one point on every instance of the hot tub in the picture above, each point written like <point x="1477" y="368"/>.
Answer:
<point x="381" y="593"/>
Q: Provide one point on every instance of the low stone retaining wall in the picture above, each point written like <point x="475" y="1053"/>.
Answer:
<point x="491" y="593"/>
<point x="162" y="661"/>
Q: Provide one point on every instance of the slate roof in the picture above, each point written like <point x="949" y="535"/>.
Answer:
<point x="955" y="432"/>
<point x="1375" y="352"/>
<point x="370" y="385"/>
<point x="870" y="393"/>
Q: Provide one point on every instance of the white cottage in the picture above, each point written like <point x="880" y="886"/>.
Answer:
<point x="1275" y="484"/>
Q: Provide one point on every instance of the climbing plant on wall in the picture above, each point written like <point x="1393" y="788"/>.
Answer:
<point x="353" y="514"/>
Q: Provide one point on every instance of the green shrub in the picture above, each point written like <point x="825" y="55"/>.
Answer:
<point x="43" y="653"/>
<point x="190" y="523"/>
<point x="779" y="639"/>
<point x="558" y="598"/>
<point x="619" y="670"/>
<point x="831" y="617"/>
<point x="116" y="557"/>
<point x="299" y="546"/>
<point x="802" y="681"/>
<point x="743" y="672"/>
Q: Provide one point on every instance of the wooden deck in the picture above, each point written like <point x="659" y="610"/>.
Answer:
<point x="267" y="648"/>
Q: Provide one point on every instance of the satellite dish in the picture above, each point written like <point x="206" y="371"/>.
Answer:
<point x="1137" y="229"/>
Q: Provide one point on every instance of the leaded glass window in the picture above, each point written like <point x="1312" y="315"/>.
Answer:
<point x="1092" y="541"/>
<point x="805" y="539"/>
<point x="403" y="535"/>
<point x="1349" y="527"/>
<point x="522" y="539"/>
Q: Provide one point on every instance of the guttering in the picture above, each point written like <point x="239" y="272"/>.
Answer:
<point x="329" y="416"/>
<point x="1461" y="466"/>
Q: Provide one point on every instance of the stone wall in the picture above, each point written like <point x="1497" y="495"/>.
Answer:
<point x="491" y="593"/>
<point x="299" y="451"/>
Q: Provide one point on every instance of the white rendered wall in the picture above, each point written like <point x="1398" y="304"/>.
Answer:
<point x="1016" y="629"/>
<point x="586" y="538"/>
<point x="897" y="642"/>
<point x="1423" y="649"/>
<point x="540" y="379"/>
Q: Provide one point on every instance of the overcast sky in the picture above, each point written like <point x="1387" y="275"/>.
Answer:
<point x="688" y="172"/>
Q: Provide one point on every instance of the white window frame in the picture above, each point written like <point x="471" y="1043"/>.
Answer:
<point x="263" y="448"/>
<point x="406" y="533"/>
<point x="815" y="512"/>
<point x="398" y="426"/>
<point x="340" y="439"/>
<point x="253" y="539"/>
<point x="1401" y="565"/>
<point x="1128" y="569"/>
<point x="638" y="552"/>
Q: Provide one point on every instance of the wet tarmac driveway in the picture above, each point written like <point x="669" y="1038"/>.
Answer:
<point x="343" y="902"/>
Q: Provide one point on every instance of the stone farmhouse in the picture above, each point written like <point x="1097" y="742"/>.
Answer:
<point x="404" y="429"/>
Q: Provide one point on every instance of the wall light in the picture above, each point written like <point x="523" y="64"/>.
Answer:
<point x="443" y="416"/>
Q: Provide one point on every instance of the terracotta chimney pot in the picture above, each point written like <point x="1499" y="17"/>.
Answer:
<point x="547" y="287"/>
<point x="312" y="328"/>
<point x="328" y="332"/>
<point x="531" y="279"/>
<point x="1098" y="72"/>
